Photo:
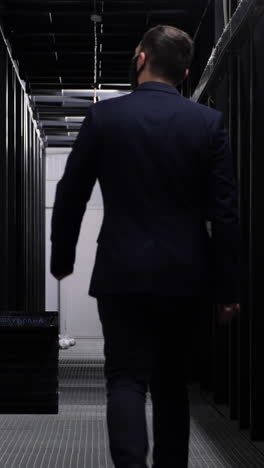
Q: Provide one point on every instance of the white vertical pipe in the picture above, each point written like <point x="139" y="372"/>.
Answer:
<point x="225" y="10"/>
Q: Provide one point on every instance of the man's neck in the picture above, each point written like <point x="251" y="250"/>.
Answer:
<point x="147" y="79"/>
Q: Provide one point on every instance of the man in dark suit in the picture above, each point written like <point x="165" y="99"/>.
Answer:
<point x="164" y="167"/>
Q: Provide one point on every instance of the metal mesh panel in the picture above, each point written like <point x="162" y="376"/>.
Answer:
<point x="77" y="437"/>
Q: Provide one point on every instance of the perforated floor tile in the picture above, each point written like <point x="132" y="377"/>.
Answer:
<point x="77" y="436"/>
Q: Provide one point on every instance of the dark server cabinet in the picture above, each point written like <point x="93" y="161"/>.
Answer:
<point x="19" y="201"/>
<point x="12" y="189"/>
<point x="256" y="232"/>
<point x="4" y="177"/>
<point x="233" y="83"/>
<point x="29" y="363"/>
<point x="243" y="92"/>
<point x="28" y="335"/>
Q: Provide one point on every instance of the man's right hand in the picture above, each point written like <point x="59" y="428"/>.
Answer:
<point x="226" y="312"/>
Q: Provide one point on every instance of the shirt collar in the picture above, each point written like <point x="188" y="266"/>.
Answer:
<point x="157" y="86"/>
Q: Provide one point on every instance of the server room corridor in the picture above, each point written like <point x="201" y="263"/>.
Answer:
<point x="57" y="59"/>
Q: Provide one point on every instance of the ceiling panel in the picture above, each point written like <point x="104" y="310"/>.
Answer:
<point x="53" y="42"/>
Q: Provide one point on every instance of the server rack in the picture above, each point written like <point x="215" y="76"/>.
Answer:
<point x="28" y="335"/>
<point x="232" y="82"/>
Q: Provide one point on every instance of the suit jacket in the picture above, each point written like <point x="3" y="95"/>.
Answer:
<point x="164" y="167"/>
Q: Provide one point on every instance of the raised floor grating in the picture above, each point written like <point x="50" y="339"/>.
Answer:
<point x="77" y="436"/>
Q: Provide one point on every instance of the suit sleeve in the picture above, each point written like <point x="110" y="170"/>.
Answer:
<point x="223" y="200"/>
<point x="72" y="194"/>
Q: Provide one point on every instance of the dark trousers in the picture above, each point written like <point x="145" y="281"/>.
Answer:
<point x="147" y="347"/>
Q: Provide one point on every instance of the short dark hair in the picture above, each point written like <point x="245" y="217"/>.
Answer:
<point x="169" y="50"/>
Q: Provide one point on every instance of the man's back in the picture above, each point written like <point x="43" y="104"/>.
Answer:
<point x="158" y="140"/>
<point x="164" y="168"/>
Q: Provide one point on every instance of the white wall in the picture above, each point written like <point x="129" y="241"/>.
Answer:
<point x="78" y="311"/>
<point x="55" y="164"/>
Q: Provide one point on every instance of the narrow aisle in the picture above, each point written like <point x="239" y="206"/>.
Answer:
<point x="77" y="437"/>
